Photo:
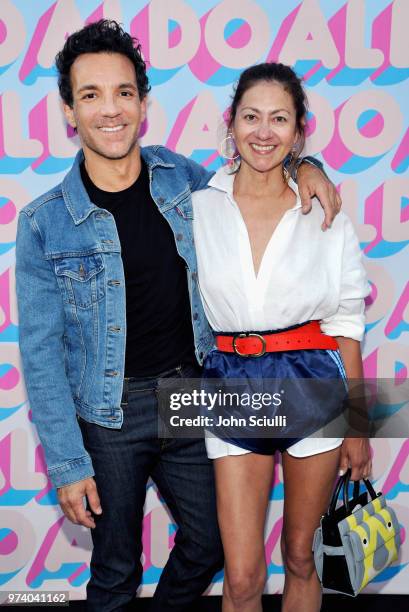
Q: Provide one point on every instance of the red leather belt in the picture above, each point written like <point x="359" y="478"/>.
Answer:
<point x="249" y="344"/>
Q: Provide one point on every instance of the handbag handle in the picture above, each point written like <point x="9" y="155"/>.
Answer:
<point x="343" y="481"/>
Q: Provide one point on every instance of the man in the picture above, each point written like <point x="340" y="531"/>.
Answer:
<point x="104" y="260"/>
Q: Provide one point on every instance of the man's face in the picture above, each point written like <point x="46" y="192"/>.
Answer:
<point x="107" y="111"/>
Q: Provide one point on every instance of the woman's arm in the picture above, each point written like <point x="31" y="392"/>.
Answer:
<point x="351" y="355"/>
<point x="355" y="452"/>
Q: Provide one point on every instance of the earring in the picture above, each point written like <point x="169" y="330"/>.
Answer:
<point x="228" y="147"/>
<point x="294" y="151"/>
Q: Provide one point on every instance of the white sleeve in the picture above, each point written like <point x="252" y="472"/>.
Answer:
<point x="349" y="320"/>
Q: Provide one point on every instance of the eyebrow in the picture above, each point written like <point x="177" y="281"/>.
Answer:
<point x="279" y="110"/>
<point x="93" y="87"/>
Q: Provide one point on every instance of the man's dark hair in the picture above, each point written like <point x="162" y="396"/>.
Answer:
<point x="103" y="36"/>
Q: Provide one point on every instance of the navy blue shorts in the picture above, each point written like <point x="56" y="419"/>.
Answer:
<point x="310" y="406"/>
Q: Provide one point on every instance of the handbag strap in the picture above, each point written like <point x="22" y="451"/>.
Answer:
<point x="335" y="495"/>
<point x="343" y="482"/>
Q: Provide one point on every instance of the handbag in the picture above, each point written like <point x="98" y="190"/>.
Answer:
<point x="355" y="541"/>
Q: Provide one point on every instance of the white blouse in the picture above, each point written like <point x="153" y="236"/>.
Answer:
<point x="305" y="274"/>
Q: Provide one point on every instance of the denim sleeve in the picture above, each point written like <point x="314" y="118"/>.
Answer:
<point x="41" y="331"/>
<point x="303" y="160"/>
<point x="198" y="176"/>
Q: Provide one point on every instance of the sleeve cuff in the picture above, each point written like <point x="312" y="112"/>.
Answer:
<point x="348" y="329"/>
<point x="308" y="160"/>
<point x="71" y="471"/>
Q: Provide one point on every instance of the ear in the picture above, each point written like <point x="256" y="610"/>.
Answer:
<point x="298" y="135"/>
<point x="144" y="104"/>
<point x="69" y="115"/>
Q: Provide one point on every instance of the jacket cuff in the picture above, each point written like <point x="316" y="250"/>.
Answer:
<point x="70" y="472"/>
<point x="313" y="161"/>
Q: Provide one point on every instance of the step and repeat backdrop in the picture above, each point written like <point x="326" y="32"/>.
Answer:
<point x="354" y="58"/>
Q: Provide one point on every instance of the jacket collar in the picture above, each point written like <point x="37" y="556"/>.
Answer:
<point x="224" y="182"/>
<point x="75" y="195"/>
<point x="153" y="160"/>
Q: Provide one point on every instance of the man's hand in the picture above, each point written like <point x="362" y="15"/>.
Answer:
<point x="71" y="502"/>
<point x="356" y="454"/>
<point x="312" y="182"/>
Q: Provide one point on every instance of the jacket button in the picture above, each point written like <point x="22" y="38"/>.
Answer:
<point x="195" y="316"/>
<point x="161" y="200"/>
<point x="200" y="355"/>
<point x="194" y="276"/>
<point x="179" y="237"/>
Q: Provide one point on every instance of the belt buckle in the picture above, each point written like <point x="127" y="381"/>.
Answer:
<point x="259" y="354"/>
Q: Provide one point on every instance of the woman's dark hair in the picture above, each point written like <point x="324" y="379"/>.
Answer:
<point x="278" y="73"/>
<point x="103" y="36"/>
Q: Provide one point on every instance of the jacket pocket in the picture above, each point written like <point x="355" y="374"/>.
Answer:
<point x="81" y="279"/>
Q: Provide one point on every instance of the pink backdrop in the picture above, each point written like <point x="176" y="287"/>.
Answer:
<point x="354" y="57"/>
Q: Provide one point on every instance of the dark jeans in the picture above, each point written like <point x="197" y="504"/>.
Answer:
<point x="123" y="461"/>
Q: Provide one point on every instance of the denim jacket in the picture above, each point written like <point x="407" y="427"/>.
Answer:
<point x="71" y="299"/>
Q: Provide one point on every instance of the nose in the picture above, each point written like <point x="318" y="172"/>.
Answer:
<point x="110" y="106"/>
<point x="264" y="130"/>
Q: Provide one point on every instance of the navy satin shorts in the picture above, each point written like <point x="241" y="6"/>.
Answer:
<point x="314" y="382"/>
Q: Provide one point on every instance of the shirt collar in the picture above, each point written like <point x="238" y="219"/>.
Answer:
<point x="223" y="181"/>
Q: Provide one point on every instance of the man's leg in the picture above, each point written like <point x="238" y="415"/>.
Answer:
<point x="122" y="460"/>
<point x="185" y="479"/>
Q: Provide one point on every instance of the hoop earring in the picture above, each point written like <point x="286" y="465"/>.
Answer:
<point x="227" y="142"/>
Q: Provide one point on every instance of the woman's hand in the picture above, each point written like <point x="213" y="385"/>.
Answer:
<point x="312" y="182"/>
<point x="356" y="454"/>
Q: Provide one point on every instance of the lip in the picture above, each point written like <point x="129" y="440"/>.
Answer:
<point x="112" y="129"/>
<point x="264" y="149"/>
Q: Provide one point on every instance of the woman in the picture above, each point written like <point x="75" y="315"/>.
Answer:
<point x="264" y="266"/>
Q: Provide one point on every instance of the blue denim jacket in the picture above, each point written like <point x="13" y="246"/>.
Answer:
<point x="71" y="299"/>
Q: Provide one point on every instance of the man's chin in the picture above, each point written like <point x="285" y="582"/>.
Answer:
<point x="112" y="153"/>
<point x="116" y="155"/>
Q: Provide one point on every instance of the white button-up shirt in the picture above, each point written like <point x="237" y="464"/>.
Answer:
<point x="305" y="274"/>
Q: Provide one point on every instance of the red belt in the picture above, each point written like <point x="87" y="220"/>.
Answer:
<point x="249" y="344"/>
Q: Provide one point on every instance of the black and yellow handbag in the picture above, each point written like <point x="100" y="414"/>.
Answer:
<point x="355" y="541"/>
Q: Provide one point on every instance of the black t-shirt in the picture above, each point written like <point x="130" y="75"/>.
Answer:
<point x="159" y="326"/>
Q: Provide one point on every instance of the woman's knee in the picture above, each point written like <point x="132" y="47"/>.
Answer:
<point x="244" y="584"/>
<point x="298" y="558"/>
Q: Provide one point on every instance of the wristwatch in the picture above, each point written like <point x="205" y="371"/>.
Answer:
<point x="308" y="160"/>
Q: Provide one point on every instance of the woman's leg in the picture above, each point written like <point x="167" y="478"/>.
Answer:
<point x="308" y="483"/>
<point x="243" y="485"/>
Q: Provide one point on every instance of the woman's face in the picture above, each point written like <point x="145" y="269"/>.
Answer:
<point x="265" y="126"/>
